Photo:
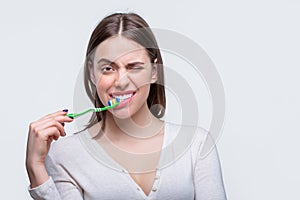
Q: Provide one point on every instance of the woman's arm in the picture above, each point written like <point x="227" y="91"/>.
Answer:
<point x="208" y="177"/>
<point x="60" y="185"/>
<point x="41" y="134"/>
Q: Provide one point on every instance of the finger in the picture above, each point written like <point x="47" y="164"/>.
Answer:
<point x="50" y="123"/>
<point x="51" y="133"/>
<point x="55" y="137"/>
<point x="63" y="118"/>
<point x="59" y="126"/>
<point x="42" y="124"/>
<point x="48" y="134"/>
<point x="59" y="116"/>
<point x="58" y="113"/>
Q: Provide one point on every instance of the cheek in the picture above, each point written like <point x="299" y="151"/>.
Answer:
<point x="141" y="79"/>
<point x="103" y="84"/>
<point x="144" y="92"/>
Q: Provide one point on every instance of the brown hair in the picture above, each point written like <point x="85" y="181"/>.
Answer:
<point x="133" y="27"/>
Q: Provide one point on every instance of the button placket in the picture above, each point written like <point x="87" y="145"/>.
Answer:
<point x="156" y="181"/>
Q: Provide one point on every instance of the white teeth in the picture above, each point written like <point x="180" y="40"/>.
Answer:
<point x="123" y="97"/>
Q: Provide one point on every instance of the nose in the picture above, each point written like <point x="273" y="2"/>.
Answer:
<point x="122" y="80"/>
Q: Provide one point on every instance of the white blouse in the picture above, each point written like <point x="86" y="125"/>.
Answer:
<point x="79" y="168"/>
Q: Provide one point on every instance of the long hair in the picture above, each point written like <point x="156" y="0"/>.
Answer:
<point x="133" y="27"/>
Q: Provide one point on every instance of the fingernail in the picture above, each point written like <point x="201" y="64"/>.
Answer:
<point x="65" y="110"/>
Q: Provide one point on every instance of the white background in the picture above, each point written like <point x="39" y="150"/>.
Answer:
<point x="254" y="44"/>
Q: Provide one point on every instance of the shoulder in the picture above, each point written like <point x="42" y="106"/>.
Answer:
<point x="189" y="135"/>
<point x="186" y="138"/>
<point x="194" y="132"/>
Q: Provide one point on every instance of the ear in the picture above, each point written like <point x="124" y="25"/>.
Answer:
<point x="154" y="72"/>
<point x="92" y="75"/>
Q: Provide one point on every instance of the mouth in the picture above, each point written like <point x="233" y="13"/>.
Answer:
<point x="125" y="97"/>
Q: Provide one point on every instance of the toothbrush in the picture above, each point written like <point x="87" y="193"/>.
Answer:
<point x="111" y="104"/>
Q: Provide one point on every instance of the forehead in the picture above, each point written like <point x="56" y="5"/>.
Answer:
<point x="120" y="48"/>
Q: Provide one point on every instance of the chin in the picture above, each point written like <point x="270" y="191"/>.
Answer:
<point x="121" y="113"/>
<point x="129" y="111"/>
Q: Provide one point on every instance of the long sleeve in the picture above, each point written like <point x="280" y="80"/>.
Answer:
<point x="60" y="186"/>
<point x="208" y="179"/>
<point x="45" y="191"/>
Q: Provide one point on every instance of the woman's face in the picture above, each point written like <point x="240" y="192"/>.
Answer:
<point x="122" y="69"/>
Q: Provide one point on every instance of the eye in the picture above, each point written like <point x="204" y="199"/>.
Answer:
<point x="137" y="67"/>
<point x="107" y="69"/>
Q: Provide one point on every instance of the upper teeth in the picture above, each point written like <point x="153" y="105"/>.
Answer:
<point x="123" y="97"/>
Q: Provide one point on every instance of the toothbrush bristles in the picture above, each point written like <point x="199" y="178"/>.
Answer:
<point x="114" y="101"/>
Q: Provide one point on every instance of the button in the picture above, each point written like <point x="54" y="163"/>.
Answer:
<point x="154" y="189"/>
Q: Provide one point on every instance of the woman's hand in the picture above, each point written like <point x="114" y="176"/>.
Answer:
<point x="41" y="134"/>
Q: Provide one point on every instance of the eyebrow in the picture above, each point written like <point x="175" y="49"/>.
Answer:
<point x="134" y="63"/>
<point x="104" y="60"/>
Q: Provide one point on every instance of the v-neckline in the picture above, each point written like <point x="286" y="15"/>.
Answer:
<point x="154" y="184"/>
<point x="98" y="152"/>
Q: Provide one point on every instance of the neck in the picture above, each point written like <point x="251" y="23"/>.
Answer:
<point x="141" y="125"/>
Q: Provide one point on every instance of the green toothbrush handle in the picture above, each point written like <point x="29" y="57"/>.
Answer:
<point x="74" y="115"/>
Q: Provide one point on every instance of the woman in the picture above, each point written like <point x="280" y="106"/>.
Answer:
<point x="119" y="154"/>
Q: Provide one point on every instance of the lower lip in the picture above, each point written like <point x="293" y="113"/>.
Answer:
<point x="123" y="103"/>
